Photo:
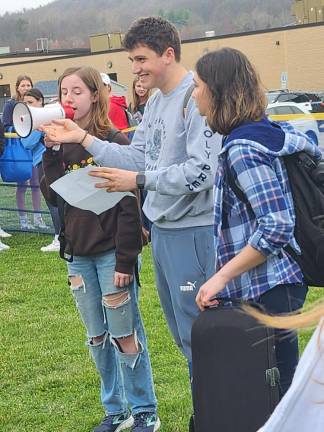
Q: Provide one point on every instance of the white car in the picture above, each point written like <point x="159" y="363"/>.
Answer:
<point x="306" y="125"/>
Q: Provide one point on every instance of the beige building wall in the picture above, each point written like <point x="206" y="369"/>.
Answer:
<point x="308" y="11"/>
<point x="295" y="50"/>
<point x="5" y="59"/>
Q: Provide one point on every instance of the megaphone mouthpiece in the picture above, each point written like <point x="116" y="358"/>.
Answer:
<point x="69" y="111"/>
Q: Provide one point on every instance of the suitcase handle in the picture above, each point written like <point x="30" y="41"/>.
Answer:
<point x="229" y="302"/>
<point x="226" y="301"/>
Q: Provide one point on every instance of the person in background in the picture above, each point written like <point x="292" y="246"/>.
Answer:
<point x="35" y="143"/>
<point x="3" y="234"/>
<point x="140" y="97"/>
<point x="104" y="250"/>
<point x="23" y="84"/>
<point x="117" y="105"/>
<point x="251" y="233"/>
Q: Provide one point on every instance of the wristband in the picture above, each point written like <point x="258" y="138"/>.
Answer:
<point x="84" y="137"/>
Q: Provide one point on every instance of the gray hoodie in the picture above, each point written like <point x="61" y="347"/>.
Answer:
<point x="179" y="156"/>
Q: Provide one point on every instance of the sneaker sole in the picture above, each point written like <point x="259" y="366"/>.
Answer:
<point x="126" y="424"/>
<point x="157" y="425"/>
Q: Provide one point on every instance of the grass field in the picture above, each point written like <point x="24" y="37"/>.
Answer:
<point x="48" y="382"/>
<point x="9" y="216"/>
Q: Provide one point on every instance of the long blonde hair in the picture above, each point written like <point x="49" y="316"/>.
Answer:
<point x="99" y="124"/>
<point x="308" y="318"/>
<point x="136" y="99"/>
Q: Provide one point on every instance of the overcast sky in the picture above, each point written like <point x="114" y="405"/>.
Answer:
<point x="19" y="5"/>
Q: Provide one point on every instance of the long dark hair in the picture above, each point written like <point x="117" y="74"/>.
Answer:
<point x="20" y="78"/>
<point x="36" y="94"/>
<point x="236" y="91"/>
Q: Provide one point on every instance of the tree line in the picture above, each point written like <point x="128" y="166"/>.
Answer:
<point x="68" y="23"/>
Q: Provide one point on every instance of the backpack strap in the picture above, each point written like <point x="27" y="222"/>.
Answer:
<point x="237" y="191"/>
<point x="186" y="100"/>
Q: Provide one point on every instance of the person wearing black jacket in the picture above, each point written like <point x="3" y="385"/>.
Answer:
<point x="104" y="248"/>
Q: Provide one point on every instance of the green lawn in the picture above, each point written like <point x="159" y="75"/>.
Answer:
<point x="48" y="382"/>
<point x="9" y="217"/>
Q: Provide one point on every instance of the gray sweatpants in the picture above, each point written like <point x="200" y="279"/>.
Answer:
<point x="184" y="259"/>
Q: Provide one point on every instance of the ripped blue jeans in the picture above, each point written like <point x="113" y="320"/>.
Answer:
<point x="126" y="379"/>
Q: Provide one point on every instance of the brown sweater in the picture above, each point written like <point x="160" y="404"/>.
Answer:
<point x="89" y="234"/>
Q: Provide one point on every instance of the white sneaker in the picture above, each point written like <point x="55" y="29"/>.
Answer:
<point x="39" y="223"/>
<point x="4" y="234"/>
<point x="52" y="247"/>
<point x="26" y="226"/>
<point x="3" y="246"/>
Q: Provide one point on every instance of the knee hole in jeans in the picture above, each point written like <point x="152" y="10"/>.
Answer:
<point x="127" y="344"/>
<point x="116" y="300"/>
<point x="120" y="320"/>
<point x="97" y="340"/>
<point x="76" y="282"/>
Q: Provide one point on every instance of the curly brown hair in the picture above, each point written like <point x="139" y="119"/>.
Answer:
<point x="156" y="33"/>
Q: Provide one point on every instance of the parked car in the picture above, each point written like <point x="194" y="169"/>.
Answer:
<point x="305" y="125"/>
<point x="310" y="101"/>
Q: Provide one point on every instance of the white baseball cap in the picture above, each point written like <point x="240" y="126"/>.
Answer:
<point x="105" y="78"/>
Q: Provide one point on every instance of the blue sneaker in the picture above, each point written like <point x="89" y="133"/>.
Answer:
<point x="115" y="423"/>
<point x="146" y="422"/>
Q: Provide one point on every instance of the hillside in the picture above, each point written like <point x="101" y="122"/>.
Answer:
<point x="67" y="23"/>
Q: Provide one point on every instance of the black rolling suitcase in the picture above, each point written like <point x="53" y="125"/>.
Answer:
<point x="235" y="379"/>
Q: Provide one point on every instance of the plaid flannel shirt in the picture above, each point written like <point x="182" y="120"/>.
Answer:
<point x="262" y="175"/>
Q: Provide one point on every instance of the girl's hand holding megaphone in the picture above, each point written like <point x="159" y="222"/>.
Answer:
<point x="65" y="131"/>
<point x="51" y="144"/>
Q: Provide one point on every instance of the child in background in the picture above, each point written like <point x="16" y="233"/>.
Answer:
<point x="140" y="97"/>
<point x="117" y="105"/>
<point x="35" y="143"/>
<point x="23" y="84"/>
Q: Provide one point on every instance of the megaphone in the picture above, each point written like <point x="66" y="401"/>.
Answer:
<point x="26" y="118"/>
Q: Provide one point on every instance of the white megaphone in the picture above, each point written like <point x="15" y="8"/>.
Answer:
<point x="26" y="118"/>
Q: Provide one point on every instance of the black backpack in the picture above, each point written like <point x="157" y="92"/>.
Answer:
<point x="306" y="179"/>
